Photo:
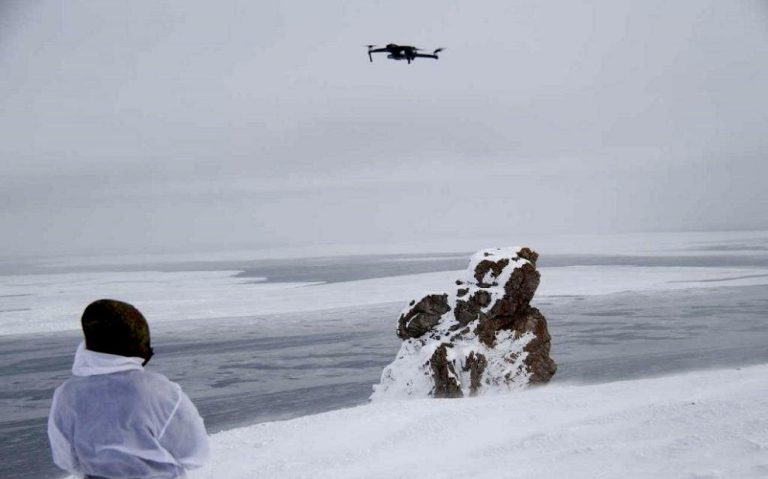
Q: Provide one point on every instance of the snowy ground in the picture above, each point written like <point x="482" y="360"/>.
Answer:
<point x="707" y="424"/>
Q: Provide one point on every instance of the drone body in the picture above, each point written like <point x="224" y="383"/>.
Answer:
<point x="401" y="52"/>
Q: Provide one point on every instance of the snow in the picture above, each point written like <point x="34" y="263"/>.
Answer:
<point x="704" y="424"/>
<point x="597" y="280"/>
<point x="54" y="302"/>
<point x="707" y="424"/>
<point x="492" y="254"/>
<point x="408" y="376"/>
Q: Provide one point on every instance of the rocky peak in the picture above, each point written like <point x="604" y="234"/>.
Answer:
<point x="482" y="334"/>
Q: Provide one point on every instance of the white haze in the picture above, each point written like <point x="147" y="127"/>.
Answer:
<point x="132" y="126"/>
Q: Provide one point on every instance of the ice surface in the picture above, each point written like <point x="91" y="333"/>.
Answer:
<point x="711" y="424"/>
<point x="293" y="364"/>
<point x="252" y="370"/>
<point x="54" y="302"/>
<point x="656" y="244"/>
<point x="596" y="280"/>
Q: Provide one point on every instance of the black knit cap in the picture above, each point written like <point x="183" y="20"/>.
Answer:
<point x="115" y="327"/>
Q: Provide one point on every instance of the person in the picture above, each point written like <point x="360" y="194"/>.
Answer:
<point x="115" y="419"/>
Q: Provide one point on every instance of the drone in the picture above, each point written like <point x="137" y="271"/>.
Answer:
<point x="402" y="52"/>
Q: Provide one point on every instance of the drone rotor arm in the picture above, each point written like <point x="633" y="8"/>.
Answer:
<point x="371" y="50"/>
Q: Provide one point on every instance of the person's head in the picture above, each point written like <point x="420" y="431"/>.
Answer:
<point x="115" y="327"/>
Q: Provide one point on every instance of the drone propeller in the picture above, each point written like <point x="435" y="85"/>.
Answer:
<point x="370" y="46"/>
<point x="438" y="50"/>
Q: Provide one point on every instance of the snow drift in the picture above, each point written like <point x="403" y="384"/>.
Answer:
<point x="701" y="425"/>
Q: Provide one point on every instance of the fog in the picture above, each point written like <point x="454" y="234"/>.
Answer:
<point x="140" y="126"/>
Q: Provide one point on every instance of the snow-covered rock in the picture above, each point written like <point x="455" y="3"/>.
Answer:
<point x="482" y="335"/>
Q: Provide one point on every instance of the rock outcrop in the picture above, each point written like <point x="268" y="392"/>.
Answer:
<point x="482" y="335"/>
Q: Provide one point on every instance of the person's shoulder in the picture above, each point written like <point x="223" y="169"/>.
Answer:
<point x="159" y="380"/>
<point x="70" y="390"/>
<point x="67" y="385"/>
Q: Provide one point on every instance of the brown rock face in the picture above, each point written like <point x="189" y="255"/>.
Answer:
<point x="482" y="333"/>
<point x="422" y="316"/>
<point x="446" y="385"/>
<point x="475" y="364"/>
<point x="540" y="365"/>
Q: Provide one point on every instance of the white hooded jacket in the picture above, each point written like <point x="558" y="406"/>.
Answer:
<point x="113" y="419"/>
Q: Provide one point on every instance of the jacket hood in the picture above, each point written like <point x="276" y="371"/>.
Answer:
<point x="91" y="363"/>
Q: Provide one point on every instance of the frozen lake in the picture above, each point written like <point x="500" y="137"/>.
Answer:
<point x="247" y="369"/>
<point x="238" y="374"/>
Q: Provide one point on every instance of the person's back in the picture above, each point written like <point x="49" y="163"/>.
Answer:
<point x="113" y="419"/>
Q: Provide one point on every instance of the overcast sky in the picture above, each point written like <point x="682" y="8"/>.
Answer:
<point x="152" y="125"/>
